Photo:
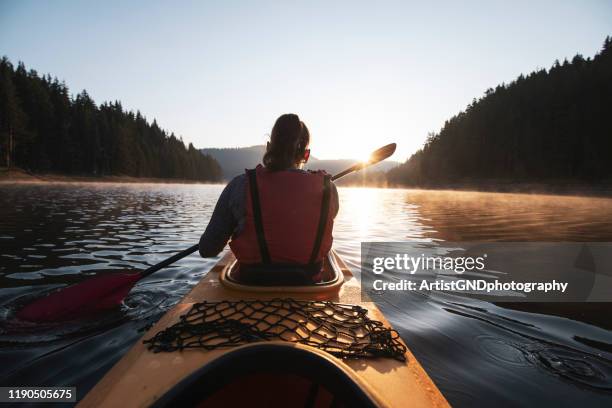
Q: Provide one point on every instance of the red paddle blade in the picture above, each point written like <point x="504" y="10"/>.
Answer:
<point x="92" y="295"/>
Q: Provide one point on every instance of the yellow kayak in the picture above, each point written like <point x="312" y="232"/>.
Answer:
<point x="265" y="372"/>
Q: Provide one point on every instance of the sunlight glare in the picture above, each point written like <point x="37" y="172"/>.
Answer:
<point x="361" y="208"/>
<point x="364" y="156"/>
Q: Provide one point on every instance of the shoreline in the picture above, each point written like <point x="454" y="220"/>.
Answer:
<point x="569" y="188"/>
<point x="19" y="176"/>
<point x="555" y="188"/>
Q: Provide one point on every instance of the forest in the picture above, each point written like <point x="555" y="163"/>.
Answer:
<point x="550" y="126"/>
<point x="43" y="129"/>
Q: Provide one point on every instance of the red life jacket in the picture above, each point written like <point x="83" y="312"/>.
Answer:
<point x="289" y="219"/>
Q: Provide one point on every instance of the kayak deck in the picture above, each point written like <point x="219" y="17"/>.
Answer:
<point x="141" y="377"/>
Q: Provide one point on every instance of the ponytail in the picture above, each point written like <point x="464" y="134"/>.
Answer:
<point x="288" y="142"/>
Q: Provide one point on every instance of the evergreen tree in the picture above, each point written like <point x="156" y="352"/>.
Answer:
<point x="11" y="115"/>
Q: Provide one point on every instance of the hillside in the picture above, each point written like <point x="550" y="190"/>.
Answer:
<point x="45" y="130"/>
<point x="550" y="126"/>
<point x="233" y="161"/>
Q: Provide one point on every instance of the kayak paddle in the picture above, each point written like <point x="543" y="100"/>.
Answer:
<point x="376" y="156"/>
<point x="94" y="294"/>
<point x="108" y="290"/>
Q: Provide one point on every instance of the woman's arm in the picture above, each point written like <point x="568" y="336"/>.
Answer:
<point x="222" y="222"/>
<point x="334" y="201"/>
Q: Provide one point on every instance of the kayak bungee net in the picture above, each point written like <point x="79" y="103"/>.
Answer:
<point x="343" y="331"/>
<point x="230" y="344"/>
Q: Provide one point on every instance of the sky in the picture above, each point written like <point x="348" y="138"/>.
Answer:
<point x="360" y="74"/>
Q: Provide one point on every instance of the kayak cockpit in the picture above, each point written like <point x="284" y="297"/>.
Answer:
<point x="269" y="375"/>
<point x="333" y="278"/>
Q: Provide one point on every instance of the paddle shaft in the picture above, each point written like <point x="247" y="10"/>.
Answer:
<point x="344" y="173"/>
<point x="169" y="261"/>
<point x="194" y="248"/>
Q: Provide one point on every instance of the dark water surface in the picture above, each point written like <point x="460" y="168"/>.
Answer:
<point x="478" y="353"/>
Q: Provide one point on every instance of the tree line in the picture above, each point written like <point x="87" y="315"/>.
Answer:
<point x="549" y="126"/>
<point x="44" y="129"/>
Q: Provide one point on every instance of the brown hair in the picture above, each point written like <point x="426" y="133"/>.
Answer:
<point x="288" y="142"/>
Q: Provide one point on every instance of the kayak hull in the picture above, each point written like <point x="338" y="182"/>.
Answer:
<point x="142" y="377"/>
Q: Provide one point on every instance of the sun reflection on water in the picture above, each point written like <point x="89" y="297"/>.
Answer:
<point x="360" y="207"/>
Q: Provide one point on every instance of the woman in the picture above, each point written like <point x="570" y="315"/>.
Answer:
<point x="279" y="216"/>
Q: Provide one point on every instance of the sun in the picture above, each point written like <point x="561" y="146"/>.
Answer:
<point x="363" y="155"/>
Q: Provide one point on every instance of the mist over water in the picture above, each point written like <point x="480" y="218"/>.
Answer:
<point x="476" y="352"/>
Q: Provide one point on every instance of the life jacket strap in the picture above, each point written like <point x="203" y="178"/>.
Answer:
<point x="259" y="230"/>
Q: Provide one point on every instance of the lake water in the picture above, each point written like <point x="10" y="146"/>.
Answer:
<point x="478" y="353"/>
